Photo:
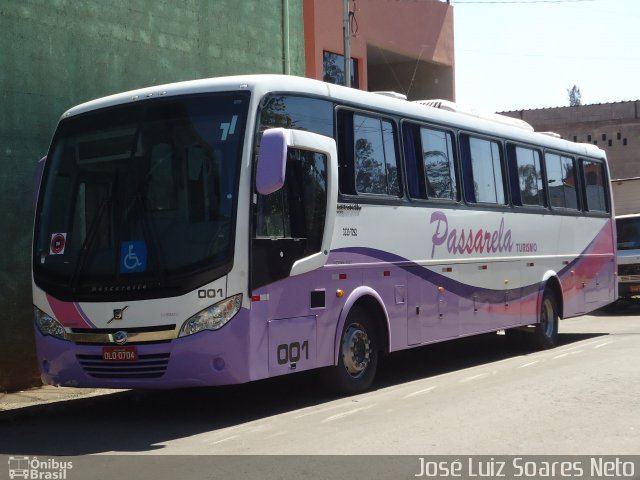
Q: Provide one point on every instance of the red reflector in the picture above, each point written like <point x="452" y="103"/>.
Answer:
<point x="255" y="298"/>
<point x="447" y="269"/>
<point x="482" y="267"/>
<point x="342" y="276"/>
<point x="530" y="264"/>
<point x="387" y="273"/>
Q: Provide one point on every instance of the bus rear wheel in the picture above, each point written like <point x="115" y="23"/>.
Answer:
<point x="545" y="335"/>
<point x="357" y="355"/>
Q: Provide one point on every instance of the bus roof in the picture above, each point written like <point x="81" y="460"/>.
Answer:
<point x="262" y="84"/>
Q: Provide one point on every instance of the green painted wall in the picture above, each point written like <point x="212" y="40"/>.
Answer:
<point x="58" y="53"/>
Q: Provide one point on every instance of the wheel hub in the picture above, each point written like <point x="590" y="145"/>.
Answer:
<point x="356" y="350"/>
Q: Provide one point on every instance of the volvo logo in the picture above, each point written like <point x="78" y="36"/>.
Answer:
<point x="118" y="314"/>
<point x="120" y="337"/>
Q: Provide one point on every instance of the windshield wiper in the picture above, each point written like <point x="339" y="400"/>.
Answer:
<point x="149" y="232"/>
<point x="91" y="235"/>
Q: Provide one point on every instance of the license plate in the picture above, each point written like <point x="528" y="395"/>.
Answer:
<point x="634" y="288"/>
<point x="119" y="354"/>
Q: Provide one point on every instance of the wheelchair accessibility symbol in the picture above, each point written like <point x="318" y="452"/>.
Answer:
<point x="133" y="256"/>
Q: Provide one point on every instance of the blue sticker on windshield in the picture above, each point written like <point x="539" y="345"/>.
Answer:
<point x="133" y="256"/>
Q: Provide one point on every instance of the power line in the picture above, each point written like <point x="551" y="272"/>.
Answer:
<point x="497" y="2"/>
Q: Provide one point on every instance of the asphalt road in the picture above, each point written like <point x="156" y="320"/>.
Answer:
<point x="479" y="395"/>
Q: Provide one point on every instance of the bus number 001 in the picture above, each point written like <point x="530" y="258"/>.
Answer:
<point x="210" y="293"/>
<point x="292" y="352"/>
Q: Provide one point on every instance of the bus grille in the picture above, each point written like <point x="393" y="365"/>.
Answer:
<point x="147" y="366"/>
<point x="629" y="278"/>
<point x="629" y="269"/>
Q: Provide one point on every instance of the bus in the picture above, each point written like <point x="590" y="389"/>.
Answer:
<point x="226" y="230"/>
<point x="628" y="235"/>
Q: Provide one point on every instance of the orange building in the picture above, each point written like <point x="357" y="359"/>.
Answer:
<point x="401" y="45"/>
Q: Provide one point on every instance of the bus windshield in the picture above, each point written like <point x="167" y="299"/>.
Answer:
<point x="140" y="197"/>
<point x="628" y="230"/>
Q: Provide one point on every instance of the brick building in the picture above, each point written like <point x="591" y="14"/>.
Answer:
<point x="614" y="127"/>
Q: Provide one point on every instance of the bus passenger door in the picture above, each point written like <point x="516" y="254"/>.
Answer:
<point x="294" y="209"/>
<point x="293" y="217"/>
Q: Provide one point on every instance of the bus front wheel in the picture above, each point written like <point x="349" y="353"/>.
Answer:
<point x="357" y="355"/>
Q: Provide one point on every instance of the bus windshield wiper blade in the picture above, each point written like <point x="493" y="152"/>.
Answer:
<point x="91" y="235"/>
<point x="150" y="233"/>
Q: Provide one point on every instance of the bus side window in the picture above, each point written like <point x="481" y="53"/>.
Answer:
<point x="594" y="184"/>
<point x="297" y="112"/>
<point x="439" y="165"/>
<point x="414" y="167"/>
<point x="368" y="162"/>
<point x="297" y="210"/>
<point x="482" y="170"/>
<point x="527" y="187"/>
<point x="430" y="163"/>
<point x="562" y="180"/>
<point x="375" y="157"/>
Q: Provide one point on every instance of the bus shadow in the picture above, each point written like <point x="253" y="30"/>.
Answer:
<point x="447" y="357"/>
<point x="141" y="421"/>
<point x="621" y="308"/>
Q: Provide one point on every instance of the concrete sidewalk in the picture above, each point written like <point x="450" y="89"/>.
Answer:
<point x="16" y="403"/>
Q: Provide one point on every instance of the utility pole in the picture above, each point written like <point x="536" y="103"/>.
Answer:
<point x="346" y="33"/>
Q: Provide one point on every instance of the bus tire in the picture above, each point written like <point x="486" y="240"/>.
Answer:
<point x="357" y="355"/>
<point x="545" y="334"/>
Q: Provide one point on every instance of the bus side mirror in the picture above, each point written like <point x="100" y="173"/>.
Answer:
<point x="272" y="160"/>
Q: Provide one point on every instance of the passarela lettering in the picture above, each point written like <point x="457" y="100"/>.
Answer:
<point x="460" y="242"/>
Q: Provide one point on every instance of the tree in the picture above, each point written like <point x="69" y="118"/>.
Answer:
<point x="575" y="97"/>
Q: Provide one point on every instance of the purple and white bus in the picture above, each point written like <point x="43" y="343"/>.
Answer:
<point x="227" y="230"/>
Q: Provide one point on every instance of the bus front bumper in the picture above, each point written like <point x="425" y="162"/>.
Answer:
<point x="629" y="290"/>
<point x="207" y="358"/>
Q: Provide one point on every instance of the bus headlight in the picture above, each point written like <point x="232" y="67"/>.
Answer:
<point x="48" y="325"/>
<point x="214" y="317"/>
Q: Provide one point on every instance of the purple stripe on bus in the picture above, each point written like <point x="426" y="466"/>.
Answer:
<point x="457" y="287"/>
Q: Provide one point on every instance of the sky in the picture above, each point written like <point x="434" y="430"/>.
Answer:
<point x="526" y="54"/>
